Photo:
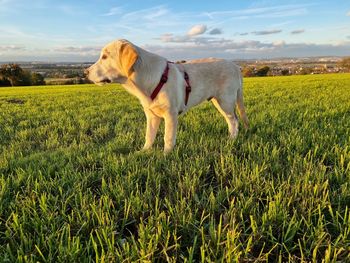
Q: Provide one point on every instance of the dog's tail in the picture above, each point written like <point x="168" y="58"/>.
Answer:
<point x="240" y="103"/>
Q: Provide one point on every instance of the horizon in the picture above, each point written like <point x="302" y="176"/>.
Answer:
<point x="237" y="59"/>
<point x="47" y="31"/>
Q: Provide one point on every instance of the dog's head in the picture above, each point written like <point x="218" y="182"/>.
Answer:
<point x="116" y="63"/>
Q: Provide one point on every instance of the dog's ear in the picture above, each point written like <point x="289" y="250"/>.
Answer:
<point x="128" y="56"/>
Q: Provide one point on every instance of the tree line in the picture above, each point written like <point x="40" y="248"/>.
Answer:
<point x="253" y="71"/>
<point x="14" y="75"/>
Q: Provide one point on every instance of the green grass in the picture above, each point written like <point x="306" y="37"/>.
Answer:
<point x="73" y="187"/>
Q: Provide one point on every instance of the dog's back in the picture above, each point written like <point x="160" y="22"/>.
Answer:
<point x="222" y="74"/>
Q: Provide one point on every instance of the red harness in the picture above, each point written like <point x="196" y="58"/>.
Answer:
<point x="164" y="79"/>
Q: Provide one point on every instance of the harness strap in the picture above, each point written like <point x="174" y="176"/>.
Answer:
<point x="164" y="79"/>
<point x="188" y="87"/>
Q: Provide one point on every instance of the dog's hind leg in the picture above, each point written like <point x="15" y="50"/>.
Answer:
<point x="241" y="108"/>
<point x="228" y="111"/>
<point x="151" y="130"/>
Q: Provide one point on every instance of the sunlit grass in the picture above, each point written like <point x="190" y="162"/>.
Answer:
<point x="73" y="187"/>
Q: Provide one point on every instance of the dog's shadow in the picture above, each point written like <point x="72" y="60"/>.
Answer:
<point x="123" y="150"/>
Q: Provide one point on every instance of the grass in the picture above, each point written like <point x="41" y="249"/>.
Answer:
<point x="73" y="187"/>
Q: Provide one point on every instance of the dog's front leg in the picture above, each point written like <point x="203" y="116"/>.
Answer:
<point x="170" y="131"/>
<point x="151" y="130"/>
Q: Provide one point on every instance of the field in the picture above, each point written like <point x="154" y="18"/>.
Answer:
<point x="73" y="187"/>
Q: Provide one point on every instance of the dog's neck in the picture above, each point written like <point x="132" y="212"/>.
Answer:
<point x="148" y="70"/>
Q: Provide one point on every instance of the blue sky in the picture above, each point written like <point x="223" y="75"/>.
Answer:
<point x="47" y="30"/>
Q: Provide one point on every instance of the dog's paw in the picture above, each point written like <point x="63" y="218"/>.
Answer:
<point x="167" y="151"/>
<point x="233" y="134"/>
<point x="144" y="150"/>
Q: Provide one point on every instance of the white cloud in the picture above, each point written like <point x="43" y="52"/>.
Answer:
<point x="190" y="37"/>
<point x="78" y="49"/>
<point x="197" y="30"/>
<point x="212" y="34"/>
<point x="12" y="48"/>
<point x="198" y="47"/>
<point x="279" y="43"/>
<point x="170" y="38"/>
<point x="230" y="49"/>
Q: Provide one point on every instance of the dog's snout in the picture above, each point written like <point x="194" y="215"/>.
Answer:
<point x="86" y="72"/>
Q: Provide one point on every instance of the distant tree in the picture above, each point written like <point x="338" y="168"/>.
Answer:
<point x="14" y="75"/>
<point x="4" y="82"/>
<point x="345" y="63"/>
<point x="248" y="72"/>
<point x="37" y="79"/>
<point x="261" y="72"/>
<point x="305" y="71"/>
<point x="285" y="72"/>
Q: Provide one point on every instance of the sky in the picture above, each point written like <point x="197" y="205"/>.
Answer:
<point x="75" y="31"/>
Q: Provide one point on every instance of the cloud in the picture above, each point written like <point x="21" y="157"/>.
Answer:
<point x="12" y="48"/>
<point x="170" y="38"/>
<point x="215" y="31"/>
<point x="348" y="13"/>
<point x="181" y="40"/>
<point x="260" y="12"/>
<point x="197" y="30"/>
<point x="266" y="32"/>
<point x="79" y="50"/>
<point x="279" y="43"/>
<point x="167" y="37"/>
<point x="191" y="36"/>
<point x="297" y="31"/>
<point x="223" y="48"/>
<point x="197" y="47"/>
<point x="243" y="34"/>
<point x="161" y="18"/>
<point x="113" y="11"/>
<point x="249" y="49"/>
<point x="149" y="14"/>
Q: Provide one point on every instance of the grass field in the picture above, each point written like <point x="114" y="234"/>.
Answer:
<point x="73" y="187"/>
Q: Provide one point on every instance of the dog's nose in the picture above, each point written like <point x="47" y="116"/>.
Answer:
<point x="86" y="72"/>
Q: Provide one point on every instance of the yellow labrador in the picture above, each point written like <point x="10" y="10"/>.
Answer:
<point x="163" y="90"/>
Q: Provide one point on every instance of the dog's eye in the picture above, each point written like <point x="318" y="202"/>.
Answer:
<point x="104" y="56"/>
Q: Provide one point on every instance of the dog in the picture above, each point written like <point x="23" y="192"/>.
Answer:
<point x="166" y="89"/>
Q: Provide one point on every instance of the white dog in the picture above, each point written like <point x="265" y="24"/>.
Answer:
<point x="165" y="89"/>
